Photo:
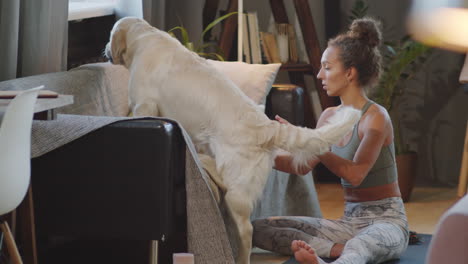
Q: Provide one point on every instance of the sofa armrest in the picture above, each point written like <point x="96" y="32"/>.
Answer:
<point x="286" y="101"/>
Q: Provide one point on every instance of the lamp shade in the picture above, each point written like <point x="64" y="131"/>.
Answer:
<point x="440" y="23"/>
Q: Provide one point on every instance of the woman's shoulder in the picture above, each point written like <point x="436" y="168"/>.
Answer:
<point x="377" y="110"/>
<point x="376" y="117"/>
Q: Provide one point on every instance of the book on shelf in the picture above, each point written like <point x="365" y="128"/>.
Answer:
<point x="256" y="43"/>
<point x="251" y="49"/>
<point x="254" y="37"/>
<point x="246" y="39"/>
<point x="270" y="47"/>
<point x="301" y="48"/>
<point x="265" y="51"/>
<point x="293" y="54"/>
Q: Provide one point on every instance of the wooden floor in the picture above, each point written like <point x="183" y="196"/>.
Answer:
<point x="424" y="209"/>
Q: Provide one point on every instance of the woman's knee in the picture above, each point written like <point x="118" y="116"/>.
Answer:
<point x="261" y="227"/>
<point x="272" y="221"/>
<point x="260" y="223"/>
<point x="381" y="240"/>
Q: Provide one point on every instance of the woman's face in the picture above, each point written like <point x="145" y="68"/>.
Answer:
<point x="332" y="72"/>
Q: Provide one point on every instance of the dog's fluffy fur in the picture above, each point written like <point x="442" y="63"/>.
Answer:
<point x="166" y="79"/>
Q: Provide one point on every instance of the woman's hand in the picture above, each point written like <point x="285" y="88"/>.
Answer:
<point x="282" y="120"/>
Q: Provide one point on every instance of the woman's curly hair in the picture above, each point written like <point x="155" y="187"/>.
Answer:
<point x="360" y="49"/>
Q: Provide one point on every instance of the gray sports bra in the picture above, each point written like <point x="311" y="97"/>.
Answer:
<point x="384" y="170"/>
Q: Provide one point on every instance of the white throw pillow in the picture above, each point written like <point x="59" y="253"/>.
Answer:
<point x="255" y="80"/>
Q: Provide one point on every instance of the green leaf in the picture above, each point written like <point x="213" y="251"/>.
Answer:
<point x="211" y="55"/>
<point x="183" y="32"/>
<point x="391" y="50"/>
<point x="359" y="10"/>
<point x="200" y="48"/>
<point x="405" y="76"/>
<point x="206" y="45"/>
<point x="216" y="21"/>
<point x="190" y="46"/>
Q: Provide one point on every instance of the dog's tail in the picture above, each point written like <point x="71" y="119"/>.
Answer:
<point x="305" y="144"/>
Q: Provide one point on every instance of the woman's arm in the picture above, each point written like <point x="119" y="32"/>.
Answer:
<point x="375" y="128"/>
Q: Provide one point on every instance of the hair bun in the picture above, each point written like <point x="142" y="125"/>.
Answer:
<point x="366" y="30"/>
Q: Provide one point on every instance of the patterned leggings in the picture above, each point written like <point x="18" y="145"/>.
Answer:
<point x="372" y="232"/>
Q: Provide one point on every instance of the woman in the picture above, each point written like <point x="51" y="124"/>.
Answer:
<point x="374" y="227"/>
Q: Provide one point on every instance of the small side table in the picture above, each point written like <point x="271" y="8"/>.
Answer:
<point x="44" y="108"/>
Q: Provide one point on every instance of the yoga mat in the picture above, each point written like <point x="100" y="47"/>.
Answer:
<point x="414" y="254"/>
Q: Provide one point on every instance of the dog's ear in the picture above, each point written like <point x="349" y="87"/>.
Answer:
<point x="119" y="46"/>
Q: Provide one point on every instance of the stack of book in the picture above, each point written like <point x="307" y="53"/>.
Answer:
<point x="262" y="47"/>
<point x="251" y="38"/>
<point x="269" y="47"/>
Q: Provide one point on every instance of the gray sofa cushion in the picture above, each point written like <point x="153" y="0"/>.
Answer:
<point x="98" y="89"/>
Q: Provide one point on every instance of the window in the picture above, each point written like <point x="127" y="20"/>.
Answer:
<point x="81" y="9"/>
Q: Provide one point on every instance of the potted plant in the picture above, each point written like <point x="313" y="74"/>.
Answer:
<point x="402" y="60"/>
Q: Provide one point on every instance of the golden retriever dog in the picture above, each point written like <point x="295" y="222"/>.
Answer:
<point x="168" y="80"/>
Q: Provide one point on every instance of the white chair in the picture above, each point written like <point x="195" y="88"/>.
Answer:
<point x="15" y="159"/>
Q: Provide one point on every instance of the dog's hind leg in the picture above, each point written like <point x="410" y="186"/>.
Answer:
<point x="146" y="108"/>
<point x="245" y="177"/>
<point x="240" y="210"/>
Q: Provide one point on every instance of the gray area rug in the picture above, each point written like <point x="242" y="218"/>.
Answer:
<point x="415" y="254"/>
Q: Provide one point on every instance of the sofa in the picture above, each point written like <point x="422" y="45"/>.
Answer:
<point x="127" y="180"/>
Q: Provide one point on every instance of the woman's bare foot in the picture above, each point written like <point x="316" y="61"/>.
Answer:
<point x="303" y="253"/>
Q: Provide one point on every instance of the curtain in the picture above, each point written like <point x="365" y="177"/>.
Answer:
<point x="34" y="37"/>
<point x="153" y="11"/>
<point x="165" y="14"/>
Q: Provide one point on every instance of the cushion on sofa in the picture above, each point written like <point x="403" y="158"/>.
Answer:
<point x="255" y="80"/>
